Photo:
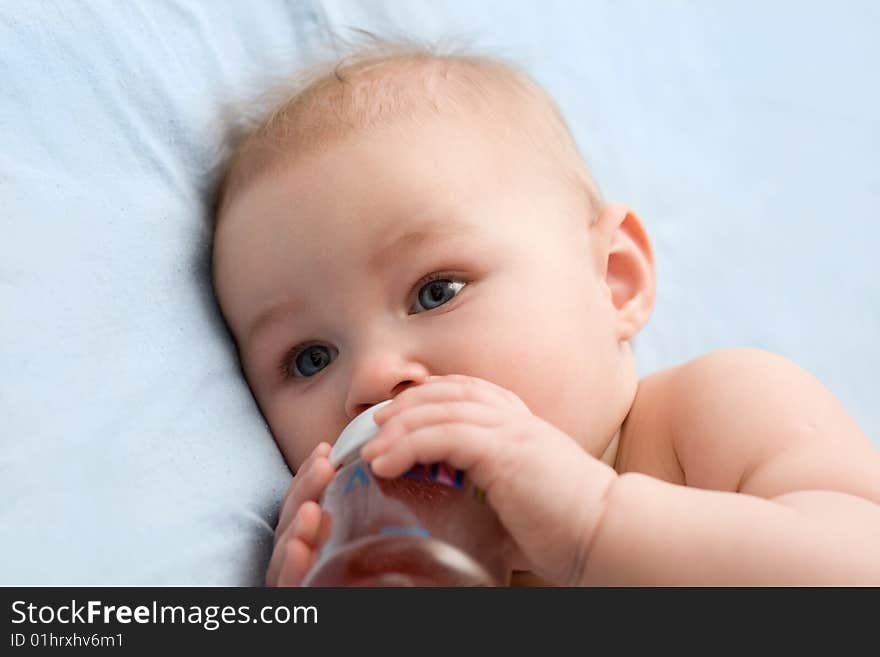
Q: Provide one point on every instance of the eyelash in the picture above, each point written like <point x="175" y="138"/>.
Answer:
<point x="289" y="358"/>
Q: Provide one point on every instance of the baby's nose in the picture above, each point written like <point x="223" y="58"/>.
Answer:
<point x="400" y="387"/>
<point x="381" y="375"/>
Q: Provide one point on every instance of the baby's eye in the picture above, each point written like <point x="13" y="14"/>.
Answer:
<point x="439" y="289"/>
<point x="307" y="361"/>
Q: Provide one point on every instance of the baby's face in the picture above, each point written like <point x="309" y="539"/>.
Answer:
<point x="359" y="271"/>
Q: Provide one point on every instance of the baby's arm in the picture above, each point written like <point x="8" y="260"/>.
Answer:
<point x="796" y="496"/>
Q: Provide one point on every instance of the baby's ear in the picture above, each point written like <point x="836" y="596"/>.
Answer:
<point x="624" y="249"/>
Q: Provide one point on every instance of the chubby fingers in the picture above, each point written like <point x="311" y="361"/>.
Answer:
<point x="298" y="548"/>
<point x="309" y="483"/>
<point x="448" y="387"/>
<point x="468" y="442"/>
<point x="417" y="417"/>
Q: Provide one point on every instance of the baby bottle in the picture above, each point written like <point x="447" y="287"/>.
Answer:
<point x="428" y="527"/>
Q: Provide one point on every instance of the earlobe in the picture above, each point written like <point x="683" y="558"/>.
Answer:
<point x="629" y="268"/>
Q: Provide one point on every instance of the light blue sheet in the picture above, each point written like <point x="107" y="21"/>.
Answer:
<point x="131" y="451"/>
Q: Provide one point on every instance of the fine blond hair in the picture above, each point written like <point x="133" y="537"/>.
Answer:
<point x="383" y="82"/>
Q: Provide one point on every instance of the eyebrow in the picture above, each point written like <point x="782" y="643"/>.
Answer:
<point x="414" y="238"/>
<point x="381" y="259"/>
<point x="271" y="316"/>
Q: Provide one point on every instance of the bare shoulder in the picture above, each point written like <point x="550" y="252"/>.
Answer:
<point x="751" y="421"/>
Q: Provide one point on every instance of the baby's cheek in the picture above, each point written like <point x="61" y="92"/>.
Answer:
<point x="567" y="382"/>
<point x="295" y="451"/>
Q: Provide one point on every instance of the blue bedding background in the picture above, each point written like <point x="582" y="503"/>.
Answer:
<point x="746" y="136"/>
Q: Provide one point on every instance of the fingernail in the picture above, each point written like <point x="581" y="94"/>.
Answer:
<point x="378" y="462"/>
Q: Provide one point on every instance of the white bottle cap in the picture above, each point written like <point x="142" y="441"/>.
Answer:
<point x="355" y="435"/>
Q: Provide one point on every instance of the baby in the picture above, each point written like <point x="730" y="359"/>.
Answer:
<point x="421" y="227"/>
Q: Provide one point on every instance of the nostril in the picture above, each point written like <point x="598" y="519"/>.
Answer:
<point x="400" y="387"/>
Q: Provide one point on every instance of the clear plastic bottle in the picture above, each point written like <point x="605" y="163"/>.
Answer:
<point x="429" y="527"/>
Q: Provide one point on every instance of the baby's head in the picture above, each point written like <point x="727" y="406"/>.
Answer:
<point x="409" y="214"/>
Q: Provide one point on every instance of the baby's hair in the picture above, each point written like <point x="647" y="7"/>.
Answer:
<point x="384" y="82"/>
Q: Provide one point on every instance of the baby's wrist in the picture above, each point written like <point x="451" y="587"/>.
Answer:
<point x="596" y="485"/>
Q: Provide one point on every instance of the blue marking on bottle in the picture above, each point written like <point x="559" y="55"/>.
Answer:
<point x="413" y="531"/>
<point x="359" y="474"/>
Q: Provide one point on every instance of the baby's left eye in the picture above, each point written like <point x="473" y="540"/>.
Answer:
<point x="438" y="291"/>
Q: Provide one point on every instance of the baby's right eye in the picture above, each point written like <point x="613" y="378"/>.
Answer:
<point x="306" y="361"/>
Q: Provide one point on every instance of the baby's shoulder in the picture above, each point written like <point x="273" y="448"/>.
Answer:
<point x="751" y="421"/>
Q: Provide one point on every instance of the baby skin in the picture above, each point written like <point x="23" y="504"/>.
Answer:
<point x="482" y="297"/>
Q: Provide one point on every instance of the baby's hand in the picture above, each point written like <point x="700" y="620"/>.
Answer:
<point x="545" y="488"/>
<point x="303" y="526"/>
